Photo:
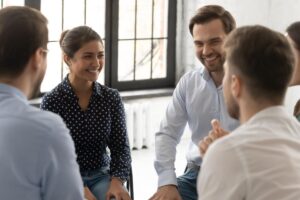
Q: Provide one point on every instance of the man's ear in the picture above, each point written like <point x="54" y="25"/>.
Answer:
<point x="37" y="59"/>
<point x="236" y="86"/>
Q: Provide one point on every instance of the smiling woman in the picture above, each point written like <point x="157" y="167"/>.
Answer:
<point x="94" y="115"/>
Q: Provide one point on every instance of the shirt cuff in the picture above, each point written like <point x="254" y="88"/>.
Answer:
<point x="167" y="178"/>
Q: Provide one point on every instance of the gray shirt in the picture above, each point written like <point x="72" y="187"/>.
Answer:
<point x="37" y="154"/>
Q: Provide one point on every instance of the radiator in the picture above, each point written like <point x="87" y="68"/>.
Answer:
<point x="138" y="124"/>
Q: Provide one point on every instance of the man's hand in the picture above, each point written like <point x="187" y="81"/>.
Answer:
<point x="214" y="134"/>
<point x="88" y="195"/>
<point x="116" y="190"/>
<point x="167" y="192"/>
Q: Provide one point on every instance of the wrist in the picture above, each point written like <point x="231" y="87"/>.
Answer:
<point x="168" y="186"/>
<point x="114" y="178"/>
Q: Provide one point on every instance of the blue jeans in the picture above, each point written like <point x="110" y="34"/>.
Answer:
<point x="187" y="184"/>
<point x="97" y="181"/>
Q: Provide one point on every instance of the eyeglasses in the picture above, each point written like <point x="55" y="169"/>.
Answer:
<point x="45" y="51"/>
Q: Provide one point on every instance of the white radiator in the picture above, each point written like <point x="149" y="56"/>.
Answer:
<point x="138" y="124"/>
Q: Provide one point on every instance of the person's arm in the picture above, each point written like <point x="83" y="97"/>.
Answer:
<point x="166" y="140"/>
<point x="169" y="135"/>
<point x="222" y="173"/>
<point x="120" y="151"/>
<point x="59" y="169"/>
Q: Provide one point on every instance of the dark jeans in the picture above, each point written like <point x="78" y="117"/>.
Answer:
<point x="97" y="181"/>
<point x="187" y="184"/>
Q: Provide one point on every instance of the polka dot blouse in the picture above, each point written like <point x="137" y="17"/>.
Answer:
<point x="102" y="125"/>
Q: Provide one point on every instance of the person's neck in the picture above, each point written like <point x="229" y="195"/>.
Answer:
<point x="217" y="77"/>
<point x="249" y="107"/>
<point x="19" y="83"/>
<point x="80" y="86"/>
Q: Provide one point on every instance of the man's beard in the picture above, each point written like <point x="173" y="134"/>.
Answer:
<point x="36" y="92"/>
<point x="233" y="108"/>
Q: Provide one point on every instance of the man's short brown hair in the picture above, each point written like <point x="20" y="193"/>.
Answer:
<point x="263" y="58"/>
<point x="210" y="12"/>
<point x="22" y="31"/>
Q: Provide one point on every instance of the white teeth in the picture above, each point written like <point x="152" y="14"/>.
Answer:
<point x="90" y="70"/>
<point x="210" y="58"/>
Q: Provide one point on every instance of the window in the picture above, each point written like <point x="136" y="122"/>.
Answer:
<point x="144" y="44"/>
<point x="139" y="38"/>
<point x="5" y="3"/>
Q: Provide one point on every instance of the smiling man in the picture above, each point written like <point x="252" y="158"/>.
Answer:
<point x="197" y="99"/>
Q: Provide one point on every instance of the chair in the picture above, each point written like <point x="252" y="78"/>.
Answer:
<point x="129" y="184"/>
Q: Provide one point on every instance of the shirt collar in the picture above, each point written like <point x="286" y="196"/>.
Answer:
<point x="267" y="113"/>
<point x="8" y="89"/>
<point x="206" y="76"/>
<point x="67" y="86"/>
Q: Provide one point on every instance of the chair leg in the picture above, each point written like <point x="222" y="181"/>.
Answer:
<point x="129" y="185"/>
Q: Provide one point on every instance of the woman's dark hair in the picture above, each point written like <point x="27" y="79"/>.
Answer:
<point x="22" y="31"/>
<point x="293" y="31"/>
<point x="72" y="40"/>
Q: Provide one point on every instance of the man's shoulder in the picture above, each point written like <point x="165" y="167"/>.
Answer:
<point x="194" y="73"/>
<point x="43" y="120"/>
<point x="194" y="77"/>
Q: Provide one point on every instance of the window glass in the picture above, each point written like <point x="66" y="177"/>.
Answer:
<point x="143" y="59"/>
<point x="126" y="60"/>
<point x="160" y="22"/>
<point x="5" y="3"/>
<point x="54" y="72"/>
<point x="144" y="19"/>
<point x="127" y="19"/>
<point x="159" y="60"/>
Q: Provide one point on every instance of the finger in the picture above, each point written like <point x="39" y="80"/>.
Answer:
<point x="203" y="147"/>
<point x="126" y="197"/>
<point x="108" y="196"/>
<point x="215" y="125"/>
<point x="213" y="135"/>
<point x="208" y="140"/>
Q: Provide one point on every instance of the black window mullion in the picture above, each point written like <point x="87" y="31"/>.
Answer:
<point x="62" y="29"/>
<point x="152" y="27"/>
<point x="171" y="47"/>
<point x="111" y="41"/>
<point x="134" y="48"/>
<point x="31" y="3"/>
<point x="84" y="18"/>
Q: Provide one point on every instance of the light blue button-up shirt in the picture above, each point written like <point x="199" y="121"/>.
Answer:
<point x="37" y="154"/>
<point x="196" y="101"/>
